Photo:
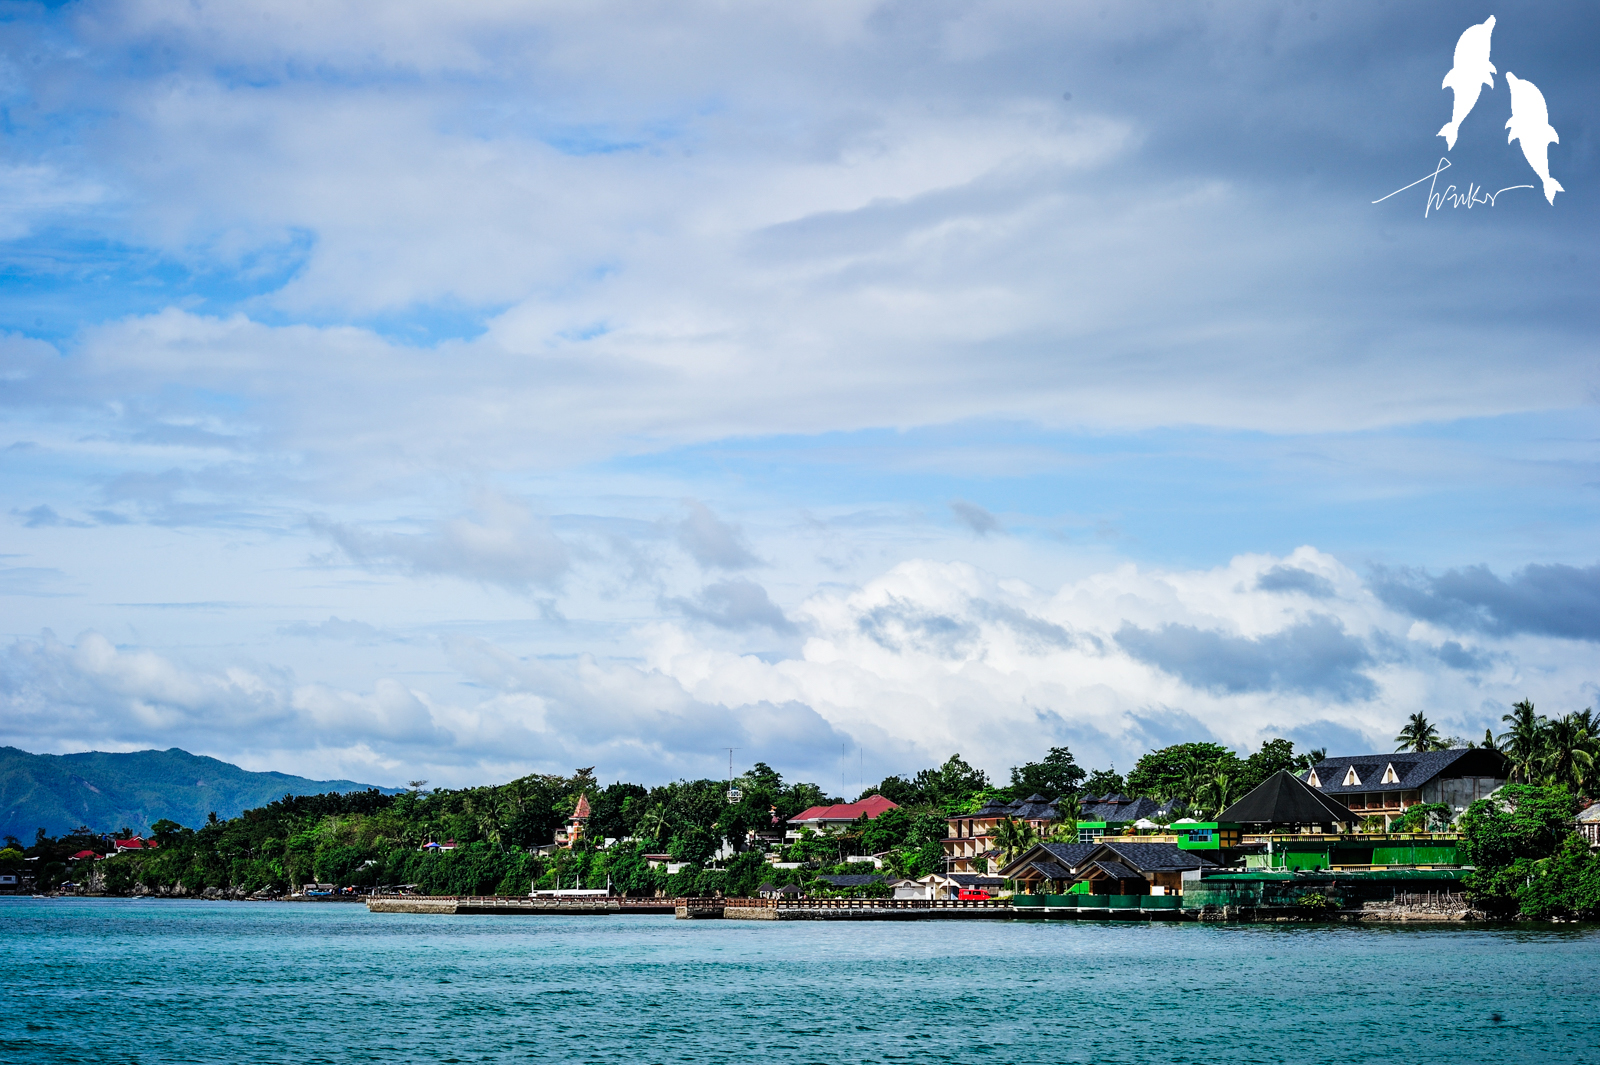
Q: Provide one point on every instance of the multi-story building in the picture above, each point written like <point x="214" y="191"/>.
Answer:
<point x="1383" y="785"/>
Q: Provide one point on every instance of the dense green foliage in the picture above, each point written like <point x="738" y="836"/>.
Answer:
<point x="1528" y="858"/>
<point x="1563" y="750"/>
<point x="1207" y="777"/>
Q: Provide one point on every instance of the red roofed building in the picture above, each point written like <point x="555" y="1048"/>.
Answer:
<point x="81" y="855"/>
<point x="835" y="818"/>
<point x="575" y="824"/>
<point x="134" y="844"/>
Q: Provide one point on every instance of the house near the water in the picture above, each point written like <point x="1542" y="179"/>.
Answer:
<point x="1131" y="866"/>
<point x="837" y="817"/>
<point x="577" y="824"/>
<point x="1383" y="785"/>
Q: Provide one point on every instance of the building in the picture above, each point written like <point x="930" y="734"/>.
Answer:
<point x="1109" y="815"/>
<point x="1383" y="785"/>
<point x="950" y="885"/>
<point x="1589" y="825"/>
<point x="84" y="856"/>
<point x="1048" y="868"/>
<point x="838" y="817"/>
<point x="969" y="845"/>
<point x="577" y="824"/>
<point x="1109" y="867"/>
<point x="1284" y="801"/>
<point x="134" y="844"/>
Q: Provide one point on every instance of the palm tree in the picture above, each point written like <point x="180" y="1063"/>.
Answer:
<point x="1418" y="735"/>
<point x="1196" y="774"/>
<point x="1011" y="836"/>
<point x="1218" y="791"/>
<point x="1311" y="758"/>
<point x="1065" y="827"/>
<point x="653" y="825"/>
<point x="1524" y="740"/>
<point x="1569" y="751"/>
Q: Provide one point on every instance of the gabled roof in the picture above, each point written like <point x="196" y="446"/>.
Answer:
<point x="582" y="812"/>
<point x="85" y="854"/>
<point x="1050" y="870"/>
<point x="1113" y="869"/>
<point x="871" y="806"/>
<point x="1151" y="857"/>
<point x="1413" y="769"/>
<point x="1285" y="799"/>
<point x="1590" y="815"/>
<point x="965" y="879"/>
<point x="1069" y="856"/>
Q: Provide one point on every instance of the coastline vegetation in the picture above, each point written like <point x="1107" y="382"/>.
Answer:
<point x="1529" y="860"/>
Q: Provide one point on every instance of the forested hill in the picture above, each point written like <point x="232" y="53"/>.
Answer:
<point x="106" y="792"/>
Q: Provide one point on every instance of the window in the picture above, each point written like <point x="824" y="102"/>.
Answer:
<point x="1314" y="780"/>
<point x="1350" y="778"/>
<point x="1389" y="775"/>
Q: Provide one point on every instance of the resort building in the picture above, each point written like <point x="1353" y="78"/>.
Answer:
<point x="969" y="838"/>
<point x="1110" y="867"/>
<point x="838" y="817"/>
<point x="1383" y="785"/>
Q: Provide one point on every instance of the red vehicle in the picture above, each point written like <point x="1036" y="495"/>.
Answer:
<point x="972" y="893"/>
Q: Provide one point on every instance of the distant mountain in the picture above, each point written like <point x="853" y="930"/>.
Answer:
<point x="59" y="792"/>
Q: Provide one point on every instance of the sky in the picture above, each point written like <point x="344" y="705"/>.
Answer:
<point x="452" y="392"/>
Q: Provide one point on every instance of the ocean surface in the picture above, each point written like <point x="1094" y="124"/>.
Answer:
<point x="153" y="980"/>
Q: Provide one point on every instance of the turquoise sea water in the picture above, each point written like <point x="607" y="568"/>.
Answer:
<point x="166" y="981"/>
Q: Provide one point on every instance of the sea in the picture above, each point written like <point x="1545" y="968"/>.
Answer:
<point x="158" y="981"/>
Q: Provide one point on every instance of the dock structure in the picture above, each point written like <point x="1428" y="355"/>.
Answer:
<point x="516" y="905"/>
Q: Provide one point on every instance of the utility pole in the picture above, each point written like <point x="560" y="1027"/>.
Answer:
<point x="731" y="796"/>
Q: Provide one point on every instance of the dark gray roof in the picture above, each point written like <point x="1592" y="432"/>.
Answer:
<point x="1069" y="856"/>
<point x="1051" y="870"/>
<point x="1414" y="769"/>
<point x="1153" y="857"/>
<point x="1115" y="808"/>
<point x="1034" y="809"/>
<point x="1115" y="869"/>
<point x="1284" y="799"/>
<point x="850" y="879"/>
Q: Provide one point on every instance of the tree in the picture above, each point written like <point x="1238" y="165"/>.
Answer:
<point x="1419" y="735"/>
<point x="1054" y="776"/>
<point x="953" y="785"/>
<point x="1310" y="759"/>
<point x="897" y="790"/>
<point x="1524" y="740"/>
<point x="1104" y="782"/>
<point x="1180" y="771"/>
<point x="1011" y="836"/>
<point x="1216" y="793"/>
<point x="1568" y="756"/>
<point x="1274" y="755"/>
<point x="1504" y="835"/>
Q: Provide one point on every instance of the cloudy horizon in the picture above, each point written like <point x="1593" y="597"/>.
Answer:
<point x="406" y="392"/>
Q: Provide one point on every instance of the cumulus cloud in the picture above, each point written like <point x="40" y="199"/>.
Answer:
<point x="505" y="544"/>
<point x="975" y="517"/>
<point x="1547" y="600"/>
<point x="712" y="542"/>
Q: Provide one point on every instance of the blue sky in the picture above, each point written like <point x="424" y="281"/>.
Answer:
<point x="401" y="391"/>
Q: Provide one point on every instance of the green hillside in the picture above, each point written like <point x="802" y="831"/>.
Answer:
<point x="59" y="792"/>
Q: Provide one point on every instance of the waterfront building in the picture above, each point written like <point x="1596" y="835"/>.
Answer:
<point x="1283" y="800"/>
<point x="1134" y="866"/>
<point x="838" y="817"/>
<point x="950" y="885"/>
<point x="1383" y="785"/>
